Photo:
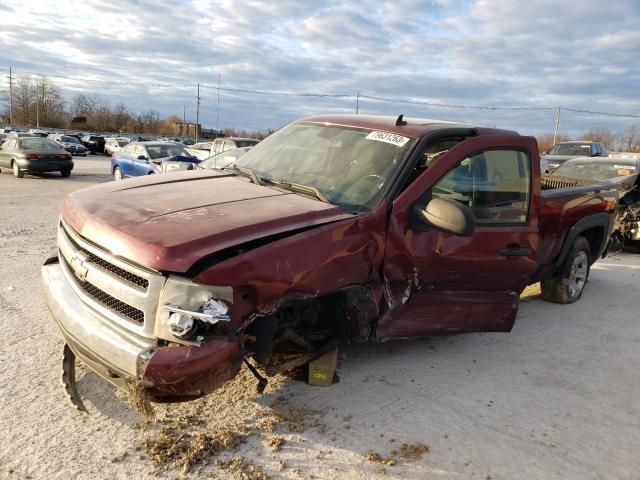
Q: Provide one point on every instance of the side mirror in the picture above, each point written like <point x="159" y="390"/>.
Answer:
<point x="447" y="216"/>
<point x="141" y="157"/>
<point x="596" y="154"/>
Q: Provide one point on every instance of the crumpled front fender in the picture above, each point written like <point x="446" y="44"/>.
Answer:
<point x="191" y="371"/>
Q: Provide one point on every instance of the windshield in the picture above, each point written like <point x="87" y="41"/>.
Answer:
<point x="577" y="149"/>
<point x="161" y="151"/>
<point x="596" y="170"/>
<point x="224" y="159"/>
<point x="69" y="139"/>
<point x="122" y="143"/>
<point x="40" y="144"/>
<point x="351" y="167"/>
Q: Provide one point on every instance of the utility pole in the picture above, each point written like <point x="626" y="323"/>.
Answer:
<point x="10" y="97"/>
<point x="357" y="103"/>
<point x="37" y="105"/>
<point x="218" y="109"/>
<point x="184" y="114"/>
<point x="197" y="112"/>
<point x="555" y="132"/>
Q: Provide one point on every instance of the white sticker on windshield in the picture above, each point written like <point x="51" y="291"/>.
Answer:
<point x="392" y="138"/>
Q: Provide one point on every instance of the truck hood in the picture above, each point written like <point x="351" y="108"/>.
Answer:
<point x="169" y="222"/>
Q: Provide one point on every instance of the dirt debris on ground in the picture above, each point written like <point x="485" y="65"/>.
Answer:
<point x="241" y="469"/>
<point x="276" y="443"/>
<point x="375" y="457"/>
<point x="139" y="400"/>
<point x="180" y="439"/>
<point x="411" y="451"/>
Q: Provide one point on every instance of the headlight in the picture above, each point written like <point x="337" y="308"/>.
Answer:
<point x="185" y="307"/>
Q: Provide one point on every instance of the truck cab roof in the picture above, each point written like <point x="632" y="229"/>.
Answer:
<point x="408" y="126"/>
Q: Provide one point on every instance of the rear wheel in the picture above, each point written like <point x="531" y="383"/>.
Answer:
<point x="117" y="173"/>
<point x="65" y="173"/>
<point x="16" y="170"/>
<point x="567" y="285"/>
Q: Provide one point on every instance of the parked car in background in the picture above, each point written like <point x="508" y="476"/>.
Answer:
<point x="114" y="144"/>
<point x="563" y="151"/>
<point x="3" y="136"/>
<point x="95" y="143"/>
<point x="220" y="145"/>
<point x="221" y="160"/>
<point x="35" y="155"/>
<point x="70" y="143"/>
<point x="16" y="134"/>
<point x="144" y="158"/>
<point x="624" y="171"/>
<point x="224" y="159"/>
<point x="38" y="132"/>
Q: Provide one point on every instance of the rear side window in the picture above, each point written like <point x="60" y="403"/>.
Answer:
<point x="495" y="185"/>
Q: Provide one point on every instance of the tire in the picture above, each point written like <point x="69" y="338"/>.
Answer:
<point x="631" y="246"/>
<point x="65" y="173"/>
<point x="17" y="172"/>
<point x="117" y="174"/>
<point x="567" y="285"/>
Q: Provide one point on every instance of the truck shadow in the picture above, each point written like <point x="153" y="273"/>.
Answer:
<point x="98" y="394"/>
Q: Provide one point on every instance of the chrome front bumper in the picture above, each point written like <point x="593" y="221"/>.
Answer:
<point x="110" y="350"/>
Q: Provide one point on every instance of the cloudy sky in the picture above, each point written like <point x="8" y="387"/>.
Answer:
<point x="582" y="54"/>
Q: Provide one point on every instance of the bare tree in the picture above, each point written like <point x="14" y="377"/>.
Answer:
<point x="24" y="102"/>
<point x="545" y="142"/>
<point x="600" y="134"/>
<point x="51" y="104"/>
<point x="629" y="140"/>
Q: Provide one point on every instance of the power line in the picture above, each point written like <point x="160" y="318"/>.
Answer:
<point x="434" y="104"/>
<point x="356" y="96"/>
<point x="601" y="113"/>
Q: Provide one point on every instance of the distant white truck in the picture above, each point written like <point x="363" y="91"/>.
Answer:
<point x="204" y="150"/>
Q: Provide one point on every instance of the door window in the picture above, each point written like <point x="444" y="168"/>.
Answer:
<point x="494" y="184"/>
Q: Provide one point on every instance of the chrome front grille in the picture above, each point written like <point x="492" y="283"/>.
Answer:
<point x="105" y="299"/>
<point x="122" y="292"/>
<point x="119" y="272"/>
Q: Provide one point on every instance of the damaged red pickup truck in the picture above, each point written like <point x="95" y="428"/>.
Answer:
<point x="334" y="227"/>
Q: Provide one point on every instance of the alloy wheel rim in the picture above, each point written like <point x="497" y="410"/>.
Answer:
<point x="578" y="274"/>
<point x="117" y="174"/>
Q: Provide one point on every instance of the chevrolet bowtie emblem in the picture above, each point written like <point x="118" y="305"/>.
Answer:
<point x="78" y="264"/>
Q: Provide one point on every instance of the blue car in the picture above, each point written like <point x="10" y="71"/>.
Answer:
<point x="144" y="158"/>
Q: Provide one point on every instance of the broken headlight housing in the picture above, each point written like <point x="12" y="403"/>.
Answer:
<point x="187" y="309"/>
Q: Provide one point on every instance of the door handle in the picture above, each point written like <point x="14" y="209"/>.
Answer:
<point x="515" y="252"/>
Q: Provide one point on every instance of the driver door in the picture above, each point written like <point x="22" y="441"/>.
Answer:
<point x="439" y="283"/>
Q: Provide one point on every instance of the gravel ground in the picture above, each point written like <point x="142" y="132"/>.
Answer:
<point x="557" y="398"/>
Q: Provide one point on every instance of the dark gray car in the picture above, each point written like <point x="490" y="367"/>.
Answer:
<point x="563" y="151"/>
<point x="35" y="155"/>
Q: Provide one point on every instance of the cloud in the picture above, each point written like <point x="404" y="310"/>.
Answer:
<point x="542" y="53"/>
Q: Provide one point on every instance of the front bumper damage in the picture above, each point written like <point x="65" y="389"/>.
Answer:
<point x="167" y="373"/>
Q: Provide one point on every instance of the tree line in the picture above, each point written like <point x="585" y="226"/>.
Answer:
<point x="625" y="141"/>
<point x="39" y="102"/>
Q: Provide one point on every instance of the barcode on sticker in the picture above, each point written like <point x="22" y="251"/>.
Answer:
<point x="392" y="138"/>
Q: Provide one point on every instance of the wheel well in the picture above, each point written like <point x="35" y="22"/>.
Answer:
<point x="596" y="238"/>
<point x="309" y="324"/>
